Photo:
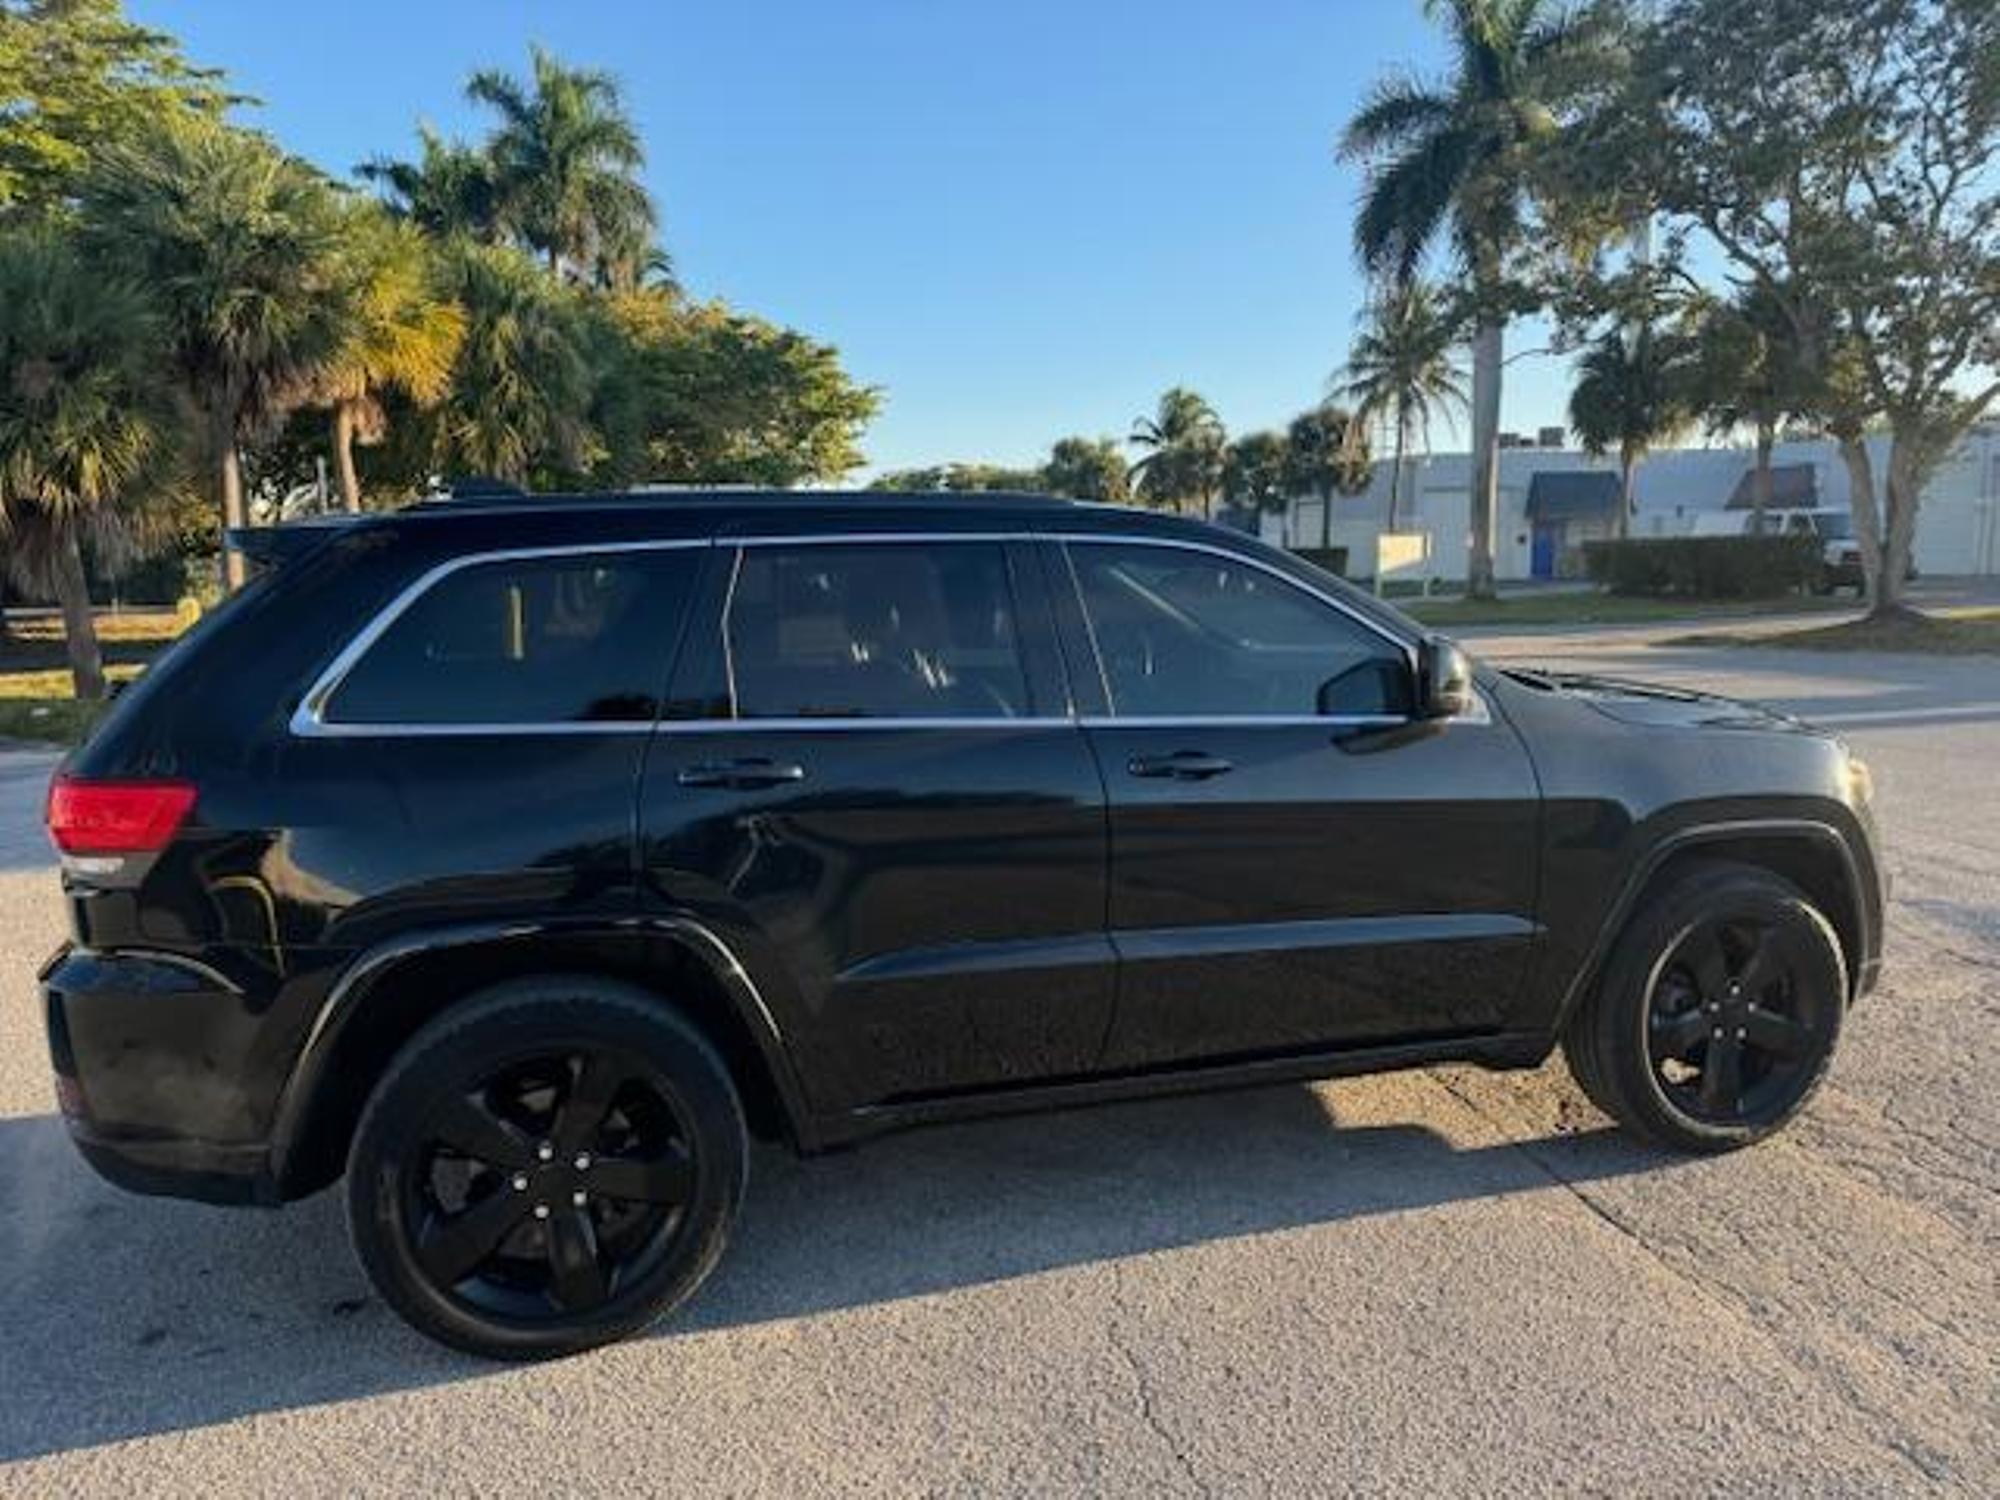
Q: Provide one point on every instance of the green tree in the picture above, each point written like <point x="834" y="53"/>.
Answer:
<point x="1632" y="394"/>
<point x="1845" y="160"/>
<point x="522" y="385"/>
<point x="1400" y="371"/>
<point x="240" y="245"/>
<point x="1087" y="469"/>
<point x="703" y="394"/>
<point x="565" y="160"/>
<point x="1326" y="453"/>
<point x="77" y="79"/>
<point x="1182" y="444"/>
<point x="448" y="191"/>
<point x="1454" y="161"/>
<point x="1255" y="471"/>
<point x="401" y="334"/>
<point x="1747" y="374"/>
<point x="87" y="433"/>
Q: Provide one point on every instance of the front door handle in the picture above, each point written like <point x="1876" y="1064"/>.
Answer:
<point x="1182" y="765"/>
<point x="743" y="775"/>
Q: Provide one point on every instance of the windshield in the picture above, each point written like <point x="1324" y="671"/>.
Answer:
<point x="1838" y="527"/>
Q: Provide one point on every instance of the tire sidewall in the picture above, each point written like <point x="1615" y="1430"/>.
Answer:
<point x="484" y="1033"/>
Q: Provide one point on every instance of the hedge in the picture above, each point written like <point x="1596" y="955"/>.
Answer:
<point x="1705" y="567"/>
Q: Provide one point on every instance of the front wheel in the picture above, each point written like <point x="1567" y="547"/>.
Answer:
<point x="550" y="1166"/>
<point x="1717" y="1014"/>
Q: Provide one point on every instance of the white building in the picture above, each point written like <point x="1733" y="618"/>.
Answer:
<point x="1541" y="525"/>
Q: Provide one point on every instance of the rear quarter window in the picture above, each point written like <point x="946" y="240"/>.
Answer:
<point x="584" y="638"/>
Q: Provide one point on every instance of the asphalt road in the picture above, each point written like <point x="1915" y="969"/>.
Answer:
<point x="1445" y="1282"/>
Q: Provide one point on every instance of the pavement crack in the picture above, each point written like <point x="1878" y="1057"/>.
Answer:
<point x="1142" y="1383"/>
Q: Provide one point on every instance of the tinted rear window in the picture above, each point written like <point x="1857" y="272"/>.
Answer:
<point x="572" y="639"/>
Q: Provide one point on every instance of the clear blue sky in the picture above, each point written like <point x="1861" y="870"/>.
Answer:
<point x="1022" y="220"/>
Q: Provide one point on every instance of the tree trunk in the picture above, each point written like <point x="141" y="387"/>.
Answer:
<point x="235" y="571"/>
<point x="1905" y="491"/>
<point x="1760" y="480"/>
<point x="1488" y="348"/>
<point x="1628" y="469"/>
<point x="1861" y="506"/>
<point x="72" y="590"/>
<point x="343" y="456"/>
<point x="1396" y="472"/>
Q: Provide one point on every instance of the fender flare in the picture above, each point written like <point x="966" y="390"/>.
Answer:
<point x="349" y="995"/>
<point x="1865" y="915"/>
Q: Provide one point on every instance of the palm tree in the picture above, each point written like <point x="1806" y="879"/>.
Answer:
<point x="521" y="388"/>
<point x="240" y="246"/>
<point x="565" y="162"/>
<point x="401" y="335"/>
<point x="1400" y="371"/>
<point x="1632" y="394"/>
<point x="449" y="190"/>
<point x="1183" y="442"/>
<point x="1326" y="452"/>
<point x="86" y="427"/>
<point x="1254" y="471"/>
<point x="1087" y="469"/>
<point x="1452" y="161"/>
<point x="1749" y="374"/>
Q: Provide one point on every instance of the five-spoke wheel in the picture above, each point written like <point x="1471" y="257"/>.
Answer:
<point x="547" y="1167"/>
<point x="1717" y="1013"/>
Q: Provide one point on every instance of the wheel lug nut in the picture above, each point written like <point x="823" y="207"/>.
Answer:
<point x="1714" y="1007"/>
<point x="579" y="1198"/>
<point x="1741" y="1033"/>
<point x="583" y="1161"/>
<point x="520" y="1182"/>
<point x="545" y="1152"/>
<point x="541" y="1210"/>
<point x="1717" y="1033"/>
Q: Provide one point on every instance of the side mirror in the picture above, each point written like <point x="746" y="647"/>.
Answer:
<point x="1444" y="679"/>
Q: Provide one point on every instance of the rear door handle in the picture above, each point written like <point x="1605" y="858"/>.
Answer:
<point x="1182" y="765"/>
<point x="742" y="775"/>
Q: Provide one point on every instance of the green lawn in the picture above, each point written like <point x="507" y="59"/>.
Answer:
<point x="1594" y="608"/>
<point x="1958" y="632"/>
<point x="35" y="698"/>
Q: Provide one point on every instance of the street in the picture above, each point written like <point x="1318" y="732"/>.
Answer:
<point x="1444" y="1281"/>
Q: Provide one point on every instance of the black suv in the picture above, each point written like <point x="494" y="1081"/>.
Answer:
<point x="522" y="857"/>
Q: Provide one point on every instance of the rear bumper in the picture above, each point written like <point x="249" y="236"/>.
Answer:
<point x="147" y="1049"/>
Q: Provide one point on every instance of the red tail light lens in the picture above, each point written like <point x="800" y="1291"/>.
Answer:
<point x="116" y="817"/>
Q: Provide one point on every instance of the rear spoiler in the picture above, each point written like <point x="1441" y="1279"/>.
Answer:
<point x="274" y="546"/>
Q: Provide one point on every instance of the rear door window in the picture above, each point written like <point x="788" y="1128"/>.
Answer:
<point x="571" y="639"/>
<point x="907" y="630"/>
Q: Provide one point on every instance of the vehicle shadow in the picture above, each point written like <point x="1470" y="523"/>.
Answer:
<point x="125" y="1317"/>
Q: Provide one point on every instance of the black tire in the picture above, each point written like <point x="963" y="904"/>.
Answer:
<point x="1717" y="1013"/>
<point x="580" y="1129"/>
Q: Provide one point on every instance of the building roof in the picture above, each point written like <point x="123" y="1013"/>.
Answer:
<point x="1581" y="494"/>
<point x="1793" y="487"/>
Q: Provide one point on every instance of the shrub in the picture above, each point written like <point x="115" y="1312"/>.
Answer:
<point x="1705" y="567"/>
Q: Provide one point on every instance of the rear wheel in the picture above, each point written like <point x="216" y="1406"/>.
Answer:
<point x="1718" y="1011"/>
<point x="551" y="1166"/>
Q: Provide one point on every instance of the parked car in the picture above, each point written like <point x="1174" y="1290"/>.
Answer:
<point x="522" y="859"/>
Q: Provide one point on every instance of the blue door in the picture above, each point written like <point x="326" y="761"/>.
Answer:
<point x="1547" y="547"/>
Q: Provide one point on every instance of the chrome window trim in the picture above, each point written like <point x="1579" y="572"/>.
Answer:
<point x="309" y="719"/>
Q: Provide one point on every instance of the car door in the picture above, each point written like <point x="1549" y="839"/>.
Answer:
<point x="1297" y="863"/>
<point x="872" y="781"/>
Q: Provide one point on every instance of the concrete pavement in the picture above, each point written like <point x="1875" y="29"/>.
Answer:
<point x="1444" y="1281"/>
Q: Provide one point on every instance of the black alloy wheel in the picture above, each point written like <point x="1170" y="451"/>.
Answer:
<point x="549" y="1166"/>
<point x="1717" y="1011"/>
<point x="1735" y="1030"/>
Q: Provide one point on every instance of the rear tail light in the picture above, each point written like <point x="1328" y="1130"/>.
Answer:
<point x="116" y="817"/>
